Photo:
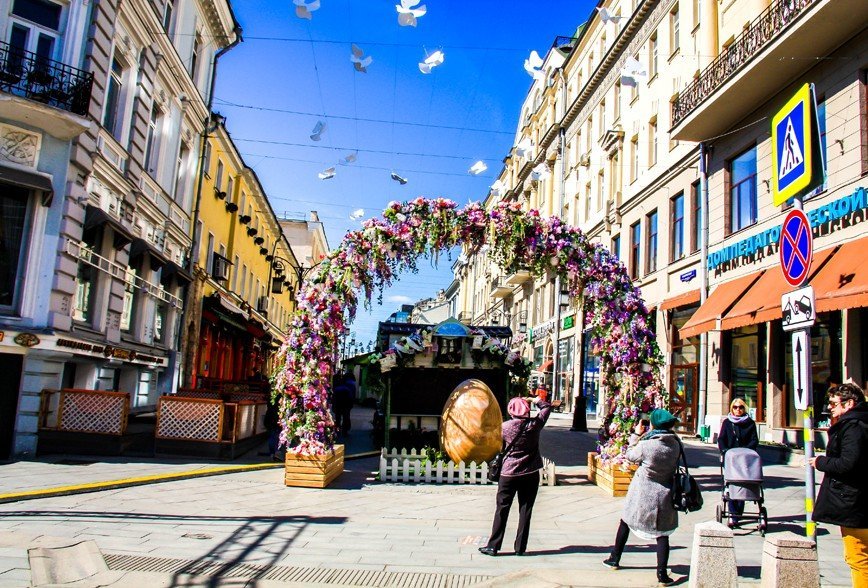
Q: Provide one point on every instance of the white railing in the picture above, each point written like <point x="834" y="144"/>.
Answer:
<point x="83" y="253"/>
<point x="414" y="466"/>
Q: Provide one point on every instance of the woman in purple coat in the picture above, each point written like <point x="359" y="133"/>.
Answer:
<point x="520" y="473"/>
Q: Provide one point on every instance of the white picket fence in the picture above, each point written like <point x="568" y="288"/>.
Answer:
<point x="407" y="466"/>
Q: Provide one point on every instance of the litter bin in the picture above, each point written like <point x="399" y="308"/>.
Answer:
<point x="580" y="416"/>
<point x="705" y="432"/>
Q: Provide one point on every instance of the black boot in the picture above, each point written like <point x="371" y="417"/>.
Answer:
<point x="612" y="562"/>
<point x="663" y="578"/>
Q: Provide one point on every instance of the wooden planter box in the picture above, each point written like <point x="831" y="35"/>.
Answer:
<point x="611" y="479"/>
<point x="314" y="471"/>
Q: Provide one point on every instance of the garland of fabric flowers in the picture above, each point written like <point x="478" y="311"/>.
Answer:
<point x="371" y="258"/>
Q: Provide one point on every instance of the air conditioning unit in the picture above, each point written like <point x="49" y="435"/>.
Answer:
<point x="220" y="267"/>
<point x="262" y="305"/>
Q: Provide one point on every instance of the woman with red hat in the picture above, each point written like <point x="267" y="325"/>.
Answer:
<point x="520" y="472"/>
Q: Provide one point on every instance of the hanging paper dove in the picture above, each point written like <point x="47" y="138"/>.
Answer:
<point x="607" y="16"/>
<point x="357" y="214"/>
<point x="431" y="62"/>
<point x="524" y="148"/>
<point x="327" y="174"/>
<point x="497" y="188"/>
<point x="541" y="172"/>
<point x="360" y="62"/>
<point x="533" y="64"/>
<point x="304" y="10"/>
<point x="318" y="130"/>
<point x="407" y="15"/>
<point x="398" y="178"/>
<point x="633" y="73"/>
<point x="477" y="168"/>
<point x="351" y="158"/>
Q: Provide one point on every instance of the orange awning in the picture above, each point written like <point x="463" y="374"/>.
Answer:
<point x="717" y="304"/>
<point x="546" y="366"/>
<point x="762" y="302"/>
<point x="691" y="297"/>
<point x="843" y="281"/>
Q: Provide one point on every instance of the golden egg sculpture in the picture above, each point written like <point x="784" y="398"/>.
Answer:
<point x="471" y="423"/>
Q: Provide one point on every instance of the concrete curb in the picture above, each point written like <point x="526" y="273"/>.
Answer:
<point x="151" y="479"/>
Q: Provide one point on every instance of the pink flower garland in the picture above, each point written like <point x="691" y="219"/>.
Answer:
<point x="369" y="259"/>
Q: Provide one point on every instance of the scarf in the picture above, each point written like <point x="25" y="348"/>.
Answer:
<point x="655" y="433"/>
<point x="737" y="419"/>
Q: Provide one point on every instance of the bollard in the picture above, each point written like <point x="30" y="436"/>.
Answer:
<point x="712" y="562"/>
<point x="790" y="560"/>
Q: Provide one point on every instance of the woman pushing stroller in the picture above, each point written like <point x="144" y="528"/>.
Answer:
<point x="737" y="430"/>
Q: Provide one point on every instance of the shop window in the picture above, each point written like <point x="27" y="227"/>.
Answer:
<point x="746" y="369"/>
<point x="14" y="223"/>
<point x="825" y="368"/>
<point x="742" y="200"/>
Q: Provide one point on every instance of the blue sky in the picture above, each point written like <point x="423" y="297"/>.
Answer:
<point x="290" y="73"/>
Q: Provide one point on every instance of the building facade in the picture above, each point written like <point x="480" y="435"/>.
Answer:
<point x="112" y="262"/>
<point x="636" y="101"/>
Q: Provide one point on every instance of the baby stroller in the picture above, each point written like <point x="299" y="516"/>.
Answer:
<point x="742" y="471"/>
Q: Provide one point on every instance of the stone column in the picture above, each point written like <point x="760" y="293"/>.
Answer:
<point x="790" y="560"/>
<point x="712" y="561"/>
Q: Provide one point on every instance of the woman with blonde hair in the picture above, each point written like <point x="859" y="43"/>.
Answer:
<point x="737" y="430"/>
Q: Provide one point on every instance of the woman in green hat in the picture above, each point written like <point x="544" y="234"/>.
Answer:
<point x="648" y="511"/>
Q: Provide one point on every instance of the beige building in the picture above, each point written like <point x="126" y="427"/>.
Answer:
<point x="610" y="140"/>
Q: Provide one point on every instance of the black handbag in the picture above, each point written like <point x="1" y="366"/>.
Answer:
<point x="686" y="491"/>
<point x="496" y="464"/>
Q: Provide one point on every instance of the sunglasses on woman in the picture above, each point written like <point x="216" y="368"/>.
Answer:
<point x="739" y="407"/>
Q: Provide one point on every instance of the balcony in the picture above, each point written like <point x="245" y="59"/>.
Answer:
<point x="50" y="83"/>
<point x="518" y="278"/>
<point x="752" y="69"/>
<point x="499" y="288"/>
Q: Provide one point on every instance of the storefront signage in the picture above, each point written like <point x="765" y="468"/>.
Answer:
<point x="797" y="248"/>
<point x="26" y="339"/>
<point x="687" y="276"/>
<point x="542" y="330"/>
<point x="569" y="322"/>
<point x="797" y="165"/>
<point x="762" y="244"/>
<point x="109" y="351"/>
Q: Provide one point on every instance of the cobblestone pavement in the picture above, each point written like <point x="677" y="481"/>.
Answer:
<point x="247" y="528"/>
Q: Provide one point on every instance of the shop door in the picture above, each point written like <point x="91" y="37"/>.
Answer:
<point x="684" y="394"/>
<point x="10" y="367"/>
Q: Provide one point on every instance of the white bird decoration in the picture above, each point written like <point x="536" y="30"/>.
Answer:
<point x="431" y="62"/>
<point x="524" y="148"/>
<point x="351" y="158"/>
<point x="497" y="188"/>
<point x="327" y="174"/>
<point x="533" y="65"/>
<point x="398" y="178"/>
<point x="357" y="214"/>
<point x="607" y="16"/>
<point x="477" y="168"/>
<point x="360" y="62"/>
<point x="407" y="14"/>
<point x="633" y="73"/>
<point x="541" y="172"/>
<point x="304" y="10"/>
<point x="318" y="130"/>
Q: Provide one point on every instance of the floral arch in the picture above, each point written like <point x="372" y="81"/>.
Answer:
<point x="370" y="259"/>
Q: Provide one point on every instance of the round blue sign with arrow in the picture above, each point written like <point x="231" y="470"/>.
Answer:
<point x="796" y="248"/>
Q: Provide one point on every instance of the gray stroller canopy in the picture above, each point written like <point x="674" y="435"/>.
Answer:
<point x="742" y="465"/>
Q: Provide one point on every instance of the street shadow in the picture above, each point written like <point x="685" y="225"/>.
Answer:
<point x="603" y="549"/>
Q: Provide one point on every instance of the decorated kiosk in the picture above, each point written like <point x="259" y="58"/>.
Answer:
<point x="370" y="259"/>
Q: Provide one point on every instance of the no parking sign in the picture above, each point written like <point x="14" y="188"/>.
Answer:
<point x="796" y="248"/>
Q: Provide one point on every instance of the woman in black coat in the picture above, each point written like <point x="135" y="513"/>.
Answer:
<point x="843" y="496"/>
<point x="520" y="472"/>
<point x="737" y="430"/>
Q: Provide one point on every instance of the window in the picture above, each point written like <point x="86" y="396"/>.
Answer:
<point x="651" y="229"/>
<point x="617" y="101"/>
<point x="129" y="299"/>
<point x="195" y="58"/>
<point x="673" y="31"/>
<point x="206" y="159"/>
<point x="697" y="12"/>
<point x="652" y="142"/>
<point x="676" y="213"/>
<point x="652" y="56"/>
<point x="218" y="178"/>
<point x="634" y="89"/>
<point x="230" y="184"/>
<point x="152" y="146"/>
<point x="635" y="241"/>
<point x="602" y="128"/>
<point x="601" y="190"/>
<point x="168" y="14"/>
<point x="182" y="173"/>
<point x="14" y="222"/>
<point x="236" y="267"/>
<point x="634" y="160"/>
<point x="112" y="116"/>
<point x="696" y="220"/>
<point x="161" y="315"/>
<point x="209" y="260"/>
<point x="36" y="27"/>
<point x="616" y="246"/>
<point x="742" y="193"/>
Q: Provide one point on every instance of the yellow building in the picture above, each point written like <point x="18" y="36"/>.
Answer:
<point x="245" y="273"/>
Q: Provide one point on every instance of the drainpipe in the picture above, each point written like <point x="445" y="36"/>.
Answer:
<point x="703" y="285"/>
<point x="562" y="148"/>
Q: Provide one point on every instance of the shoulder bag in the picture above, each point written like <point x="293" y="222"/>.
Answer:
<point x="686" y="491"/>
<point x="496" y="464"/>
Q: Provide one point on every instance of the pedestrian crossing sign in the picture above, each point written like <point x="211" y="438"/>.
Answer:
<point x="797" y="165"/>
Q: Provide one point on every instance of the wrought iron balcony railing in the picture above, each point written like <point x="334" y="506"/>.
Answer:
<point x="763" y="30"/>
<point x="25" y="74"/>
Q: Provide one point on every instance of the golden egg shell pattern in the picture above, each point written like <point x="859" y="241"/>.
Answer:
<point x="470" y="428"/>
